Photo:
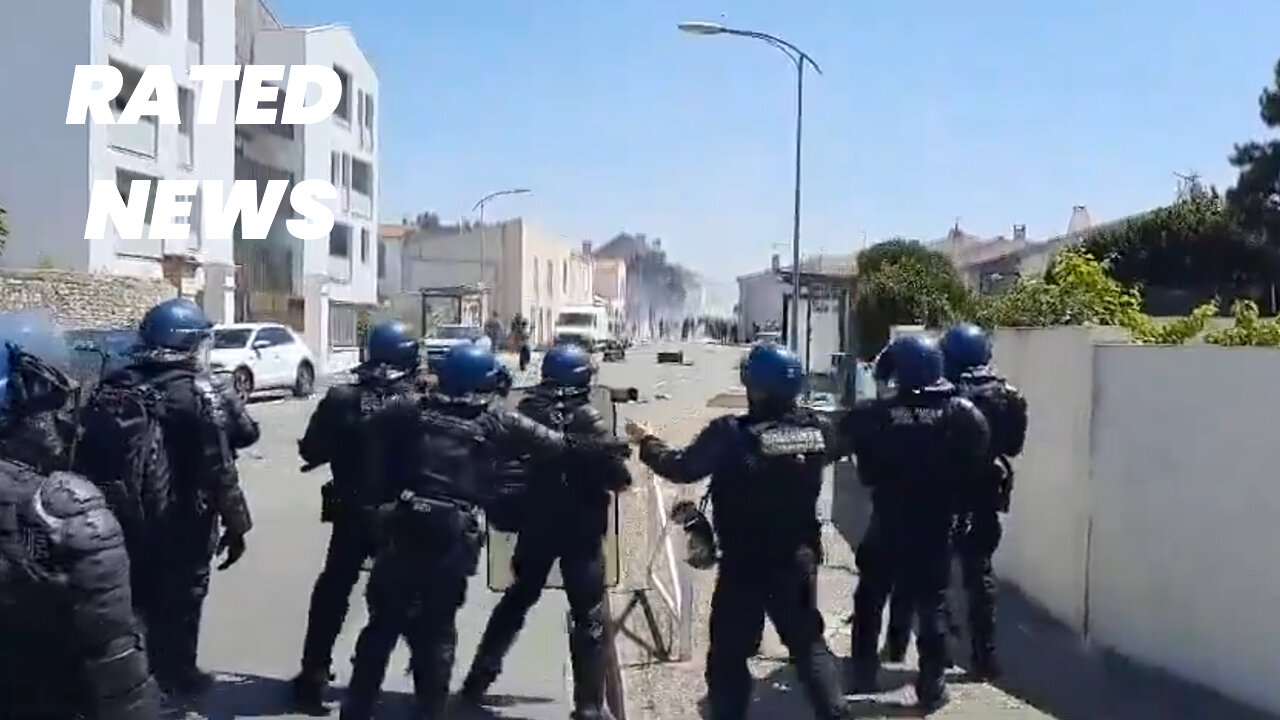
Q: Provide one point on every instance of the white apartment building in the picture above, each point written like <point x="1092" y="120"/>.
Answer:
<point x="338" y="276"/>
<point x="49" y="166"/>
<point x="528" y="271"/>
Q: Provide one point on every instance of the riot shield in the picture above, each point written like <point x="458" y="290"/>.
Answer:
<point x="501" y="546"/>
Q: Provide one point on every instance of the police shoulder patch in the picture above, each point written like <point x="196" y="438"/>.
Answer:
<point x="792" y="440"/>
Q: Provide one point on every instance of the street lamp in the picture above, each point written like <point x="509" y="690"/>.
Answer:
<point x="799" y="58"/>
<point x="479" y="206"/>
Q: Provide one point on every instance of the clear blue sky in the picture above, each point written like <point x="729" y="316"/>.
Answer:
<point x="994" y="111"/>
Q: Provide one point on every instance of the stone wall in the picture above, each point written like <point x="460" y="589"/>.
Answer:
<point x="82" y="300"/>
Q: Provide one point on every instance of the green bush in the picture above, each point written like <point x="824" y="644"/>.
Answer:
<point x="1081" y="292"/>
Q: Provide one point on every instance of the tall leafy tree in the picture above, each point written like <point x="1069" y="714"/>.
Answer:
<point x="902" y="282"/>
<point x="1256" y="196"/>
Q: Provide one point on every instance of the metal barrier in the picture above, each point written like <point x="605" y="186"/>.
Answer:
<point x="675" y="594"/>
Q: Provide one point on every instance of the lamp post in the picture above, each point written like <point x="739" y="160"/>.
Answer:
<point x="479" y="206"/>
<point x="800" y="59"/>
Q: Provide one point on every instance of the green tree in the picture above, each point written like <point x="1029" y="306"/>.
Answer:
<point x="1079" y="291"/>
<point x="1195" y="245"/>
<point x="1256" y="196"/>
<point x="902" y="282"/>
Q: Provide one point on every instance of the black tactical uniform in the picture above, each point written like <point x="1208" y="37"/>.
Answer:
<point x="565" y="518"/>
<point x="335" y="436"/>
<point x="204" y="425"/>
<point x="978" y="527"/>
<point x="920" y="450"/>
<point x="766" y="475"/>
<point x="438" y="454"/>
<point x="70" y="644"/>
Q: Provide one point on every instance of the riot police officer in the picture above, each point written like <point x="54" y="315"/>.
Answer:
<point x="334" y="436"/>
<point x="766" y="471"/>
<point x="563" y="516"/>
<point x="71" y="646"/>
<point x="436" y="454"/>
<point x="966" y="351"/>
<point x="203" y="423"/>
<point x="919" y="450"/>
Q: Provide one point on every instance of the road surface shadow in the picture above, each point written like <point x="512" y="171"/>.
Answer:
<point x="495" y="706"/>
<point x="780" y="696"/>
<point x="1048" y="666"/>
<point x="242" y="695"/>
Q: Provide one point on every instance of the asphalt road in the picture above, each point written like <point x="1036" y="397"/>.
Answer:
<point x="256" y="613"/>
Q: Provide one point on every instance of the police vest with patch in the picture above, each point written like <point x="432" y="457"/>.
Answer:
<point x="122" y="450"/>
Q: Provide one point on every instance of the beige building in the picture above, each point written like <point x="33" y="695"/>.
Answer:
<point x="527" y="270"/>
<point x="610" y="286"/>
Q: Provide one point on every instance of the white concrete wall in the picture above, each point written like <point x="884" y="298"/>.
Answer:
<point x="760" y="300"/>
<point x="1144" y="512"/>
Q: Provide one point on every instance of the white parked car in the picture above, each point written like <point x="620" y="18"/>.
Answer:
<point x="263" y="356"/>
<point x="437" y="344"/>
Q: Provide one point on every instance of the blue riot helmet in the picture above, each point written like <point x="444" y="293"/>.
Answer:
<point x="467" y="369"/>
<point x="914" y="360"/>
<point x="34" y="360"/>
<point x="964" y="347"/>
<point x="567" y="365"/>
<point x="771" y="373"/>
<point x="175" y="329"/>
<point x="392" y="343"/>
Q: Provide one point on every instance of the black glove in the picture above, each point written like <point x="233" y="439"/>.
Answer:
<point x="233" y="545"/>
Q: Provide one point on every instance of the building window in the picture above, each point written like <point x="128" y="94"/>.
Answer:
<point x="335" y="169"/>
<point x="382" y="260"/>
<point x="186" y="127"/>
<point x="536" y="287"/>
<point x="564" y="277"/>
<point x="344" y="105"/>
<point x="343" y="323"/>
<point x="364" y="245"/>
<point x="124" y="182"/>
<point x="362" y="177"/>
<point x="195" y="21"/>
<point x="551" y="284"/>
<point x="368" y="111"/>
<point x="153" y="12"/>
<point x="340" y="241"/>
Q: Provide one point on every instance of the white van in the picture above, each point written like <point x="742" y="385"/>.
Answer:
<point x="585" y="325"/>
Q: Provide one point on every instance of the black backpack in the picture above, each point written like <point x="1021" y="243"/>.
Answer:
<point x="122" y="450"/>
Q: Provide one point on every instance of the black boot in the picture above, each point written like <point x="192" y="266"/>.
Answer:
<point x="985" y="665"/>
<point x="932" y="694"/>
<point x="931" y="687"/>
<point x="476" y="685"/>
<point x="895" y="648"/>
<point x="864" y="675"/>
<point x="186" y="685"/>
<point x="309" y="688"/>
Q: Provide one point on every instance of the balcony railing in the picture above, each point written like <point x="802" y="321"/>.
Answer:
<point x="361" y="204"/>
<point x="141" y="138"/>
<point x="339" y="268"/>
